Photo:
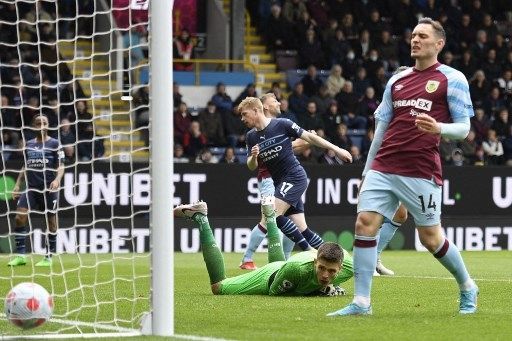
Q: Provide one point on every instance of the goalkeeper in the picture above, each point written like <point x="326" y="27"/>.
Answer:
<point x="306" y="273"/>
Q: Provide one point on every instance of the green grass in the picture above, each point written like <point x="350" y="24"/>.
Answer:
<point x="419" y="303"/>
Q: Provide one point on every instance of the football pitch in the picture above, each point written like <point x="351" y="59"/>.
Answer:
<point x="420" y="302"/>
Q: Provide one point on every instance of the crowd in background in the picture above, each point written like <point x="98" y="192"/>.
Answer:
<point x="349" y="50"/>
<point x="34" y="82"/>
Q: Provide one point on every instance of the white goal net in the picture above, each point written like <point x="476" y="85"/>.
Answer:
<point x="83" y="65"/>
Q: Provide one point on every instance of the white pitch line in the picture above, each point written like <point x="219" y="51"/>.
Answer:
<point x="451" y="278"/>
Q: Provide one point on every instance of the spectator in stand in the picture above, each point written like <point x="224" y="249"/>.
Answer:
<point x="501" y="123"/>
<point x="338" y="47"/>
<point x="446" y="148"/>
<point x="505" y="82"/>
<point x="307" y="156"/>
<point x="480" y="123"/>
<point x="312" y="120"/>
<point x="404" y="48"/>
<point x="133" y="23"/>
<point x="467" y="64"/>
<point x="350" y="65"/>
<point x="493" y="149"/>
<point x="387" y="50"/>
<point x="347" y="99"/>
<point x="329" y="32"/>
<point x="328" y="157"/>
<point x="361" y="82"/>
<point x="500" y="46"/>
<point x="10" y="122"/>
<point x="469" y="148"/>
<point x="357" y="157"/>
<point x="368" y="105"/>
<point x="222" y="100"/>
<point x="480" y="47"/>
<point x="211" y="124"/>
<point x="183" y="48"/>
<point x="298" y="100"/>
<point x="375" y="26"/>
<point x="448" y="59"/>
<point x="303" y="24"/>
<point x="507" y="64"/>
<point x="493" y="102"/>
<point x="310" y="51"/>
<point x="367" y="142"/>
<point x="355" y="121"/>
<point x="479" y="88"/>
<point x="83" y="122"/>
<point x="194" y="140"/>
<point x="341" y="139"/>
<point x="234" y="129"/>
<point x="402" y="12"/>
<point x="335" y="81"/>
<point x="176" y="95"/>
<point x="489" y="27"/>
<point x="141" y="100"/>
<point x="322" y="100"/>
<point x="350" y="29"/>
<point x="490" y="66"/>
<point x="249" y="91"/>
<point x="229" y="156"/>
<point x="53" y="115"/>
<point x="279" y="31"/>
<point x="67" y="140"/>
<point x="373" y="63"/>
<point x="286" y="113"/>
<point x="507" y="147"/>
<point x="182" y="120"/>
<point x="206" y="156"/>
<point x="293" y="10"/>
<point x="179" y="154"/>
<point x="467" y="32"/>
<point x="332" y="119"/>
<point x="8" y="145"/>
<point x="363" y="45"/>
<point x="277" y="91"/>
<point x="318" y="10"/>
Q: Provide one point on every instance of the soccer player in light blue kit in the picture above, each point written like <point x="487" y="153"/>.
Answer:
<point x="270" y="142"/>
<point x="419" y="105"/>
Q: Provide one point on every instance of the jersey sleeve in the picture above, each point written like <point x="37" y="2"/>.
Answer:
<point x="458" y="96"/>
<point x="292" y="128"/>
<point x="384" y="111"/>
<point x="286" y="280"/>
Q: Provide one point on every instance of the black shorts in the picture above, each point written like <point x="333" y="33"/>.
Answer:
<point x="290" y="189"/>
<point x="40" y="202"/>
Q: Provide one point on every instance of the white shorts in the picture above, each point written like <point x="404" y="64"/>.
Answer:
<point x="383" y="192"/>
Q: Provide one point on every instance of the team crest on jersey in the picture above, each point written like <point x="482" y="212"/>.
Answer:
<point x="431" y="86"/>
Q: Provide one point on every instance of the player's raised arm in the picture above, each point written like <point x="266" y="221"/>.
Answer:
<point x="252" y="160"/>
<point x="322" y="143"/>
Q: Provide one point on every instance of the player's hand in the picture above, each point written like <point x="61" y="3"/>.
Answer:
<point x="344" y="154"/>
<point x="332" y="290"/>
<point x="255" y="150"/>
<point x="54" y="185"/>
<point x="427" y="124"/>
<point x="16" y="193"/>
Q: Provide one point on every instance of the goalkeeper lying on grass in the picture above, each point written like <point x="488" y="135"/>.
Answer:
<point x="306" y="273"/>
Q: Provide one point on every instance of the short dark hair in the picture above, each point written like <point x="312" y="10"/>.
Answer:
<point x="436" y="25"/>
<point x="330" y="252"/>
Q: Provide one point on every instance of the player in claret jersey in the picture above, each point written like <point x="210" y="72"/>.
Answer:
<point x="419" y="105"/>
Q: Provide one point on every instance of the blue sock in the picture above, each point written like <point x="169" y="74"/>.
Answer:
<point x="448" y="254"/>
<point x="365" y="261"/>
<point x="288" y="246"/>
<point x="20" y="238"/>
<point x="52" y="238"/>
<point x="290" y="230"/>
<point x="387" y="231"/>
<point x="312" y="238"/>
<point x="255" y="239"/>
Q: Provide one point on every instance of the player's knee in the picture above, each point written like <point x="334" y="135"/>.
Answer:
<point x="366" y="224"/>
<point x="216" y="288"/>
<point x="400" y="215"/>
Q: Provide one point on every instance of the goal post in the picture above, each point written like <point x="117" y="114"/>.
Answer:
<point x="105" y="87"/>
<point x="161" y="165"/>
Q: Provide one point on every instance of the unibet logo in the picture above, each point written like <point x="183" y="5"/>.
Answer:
<point x="6" y="186"/>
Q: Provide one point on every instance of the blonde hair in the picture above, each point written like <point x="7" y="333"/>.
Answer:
<point x="264" y="97"/>
<point x="250" y="103"/>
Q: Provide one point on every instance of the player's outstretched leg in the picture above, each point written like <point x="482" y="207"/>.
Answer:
<point x="291" y="230"/>
<point x="211" y="253"/>
<point x="258" y="233"/>
<point x="288" y="246"/>
<point x="275" y="248"/>
<point x="20" y="236"/>
<point x="312" y="238"/>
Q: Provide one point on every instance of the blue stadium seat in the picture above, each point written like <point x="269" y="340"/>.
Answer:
<point x="357" y="136"/>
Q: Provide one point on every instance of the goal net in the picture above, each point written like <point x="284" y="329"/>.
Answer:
<point x="83" y="64"/>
